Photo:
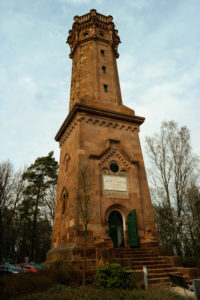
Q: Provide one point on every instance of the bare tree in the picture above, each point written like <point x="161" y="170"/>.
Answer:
<point x="26" y="197"/>
<point x="11" y="188"/>
<point x="6" y="181"/>
<point x="192" y="218"/>
<point x="84" y="209"/>
<point x="172" y="166"/>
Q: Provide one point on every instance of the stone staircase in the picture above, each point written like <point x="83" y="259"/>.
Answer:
<point x="157" y="266"/>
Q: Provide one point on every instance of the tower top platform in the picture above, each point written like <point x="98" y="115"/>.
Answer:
<point x="93" y="26"/>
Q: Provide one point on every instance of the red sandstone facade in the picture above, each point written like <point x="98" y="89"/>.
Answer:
<point x="101" y="130"/>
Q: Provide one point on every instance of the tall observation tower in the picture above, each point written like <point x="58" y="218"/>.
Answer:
<point x="103" y="132"/>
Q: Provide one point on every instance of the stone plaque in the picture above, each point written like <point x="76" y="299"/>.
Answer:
<point x="114" y="183"/>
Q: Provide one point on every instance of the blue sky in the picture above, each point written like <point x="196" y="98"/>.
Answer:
<point x="159" y="68"/>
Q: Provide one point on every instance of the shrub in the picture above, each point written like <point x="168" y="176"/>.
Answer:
<point x="113" y="276"/>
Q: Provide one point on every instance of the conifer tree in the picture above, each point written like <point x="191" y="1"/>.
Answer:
<point x="39" y="177"/>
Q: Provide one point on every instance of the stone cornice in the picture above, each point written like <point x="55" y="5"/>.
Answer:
<point x="94" y="111"/>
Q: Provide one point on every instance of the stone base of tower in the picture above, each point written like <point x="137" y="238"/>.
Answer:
<point x="101" y="253"/>
<point x="71" y="258"/>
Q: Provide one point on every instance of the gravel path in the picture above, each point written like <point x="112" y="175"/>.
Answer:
<point x="180" y="291"/>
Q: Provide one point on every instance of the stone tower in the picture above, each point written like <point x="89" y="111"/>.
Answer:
<point x="103" y="132"/>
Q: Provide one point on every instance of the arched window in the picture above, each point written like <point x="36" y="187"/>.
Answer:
<point x="86" y="34"/>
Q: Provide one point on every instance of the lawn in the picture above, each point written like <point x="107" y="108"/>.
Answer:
<point x="61" y="292"/>
<point x="61" y="284"/>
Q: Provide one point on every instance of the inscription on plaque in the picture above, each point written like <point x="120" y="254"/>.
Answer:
<point x="114" y="183"/>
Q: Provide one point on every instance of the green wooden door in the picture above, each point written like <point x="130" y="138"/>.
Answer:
<point x="112" y="220"/>
<point x="133" y="239"/>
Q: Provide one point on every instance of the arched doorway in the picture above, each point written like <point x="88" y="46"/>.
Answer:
<point x="116" y="230"/>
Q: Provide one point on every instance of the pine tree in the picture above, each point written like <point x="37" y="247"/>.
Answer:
<point x="39" y="177"/>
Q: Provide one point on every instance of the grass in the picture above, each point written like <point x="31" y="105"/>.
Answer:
<point x="27" y="283"/>
<point x="90" y="293"/>
<point x="60" y="284"/>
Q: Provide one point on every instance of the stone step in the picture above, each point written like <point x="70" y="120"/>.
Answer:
<point x="134" y="251"/>
<point x="136" y="256"/>
<point x="152" y="266"/>
<point x="164" y="281"/>
<point x="149" y="262"/>
<point x="166" y="270"/>
<point x="157" y="266"/>
<point x="158" y="280"/>
<point x="135" y="265"/>
<point x="142" y="261"/>
<point x="161" y="274"/>
<point x="145" y="258"/>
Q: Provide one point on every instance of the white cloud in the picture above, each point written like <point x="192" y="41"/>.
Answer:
<point x="139" y="4"/>
<point x="78" y="2"/>
<point x="158" y="68"/>
<point x="165" y="89"/>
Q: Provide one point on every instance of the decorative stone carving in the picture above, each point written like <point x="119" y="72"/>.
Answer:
<point x="114" y="184"/>
<point x="96" y="122"/>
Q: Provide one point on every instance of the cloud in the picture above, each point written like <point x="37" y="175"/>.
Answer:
<point x="139" y="4"/>
<point x="158" y="68"/>
<point x="163" y="87"/>
<point x="31" y="113"/>
<point x="79" y="2"/>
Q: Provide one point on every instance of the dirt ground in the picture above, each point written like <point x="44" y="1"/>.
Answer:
<point x="180" y="291"/>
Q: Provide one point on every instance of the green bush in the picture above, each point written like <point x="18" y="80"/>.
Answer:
<point x="113" y="276"/>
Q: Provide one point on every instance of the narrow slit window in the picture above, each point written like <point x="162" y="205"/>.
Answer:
<point x="102" y="52"/>
<point x="104" y="69"/>
<point x="105" y="88"/>
<point x="63" y="204"/>
<point x="64" y="201"/>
